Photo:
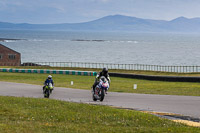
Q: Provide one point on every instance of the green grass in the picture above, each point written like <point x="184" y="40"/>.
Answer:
<point x="29" y="115"/>
<point x="117" y="84"/>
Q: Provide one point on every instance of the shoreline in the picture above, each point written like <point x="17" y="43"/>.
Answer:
<point x="9" y="39"/>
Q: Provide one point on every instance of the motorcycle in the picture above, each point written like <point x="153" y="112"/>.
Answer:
<point x="47" y="90"/>
<point x="100" y="89"/>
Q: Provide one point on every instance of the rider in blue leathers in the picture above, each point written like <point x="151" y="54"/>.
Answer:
<point x="47" y="81"/>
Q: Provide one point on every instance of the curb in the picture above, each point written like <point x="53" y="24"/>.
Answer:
<point x="43" y="71"/>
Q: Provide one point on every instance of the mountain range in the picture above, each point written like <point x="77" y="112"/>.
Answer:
<point x="118" y="23"/>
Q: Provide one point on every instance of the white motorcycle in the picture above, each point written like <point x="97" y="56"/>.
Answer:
<point x="100" y="89"/>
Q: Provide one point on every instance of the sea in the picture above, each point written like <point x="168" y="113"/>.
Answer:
<point x="167" y="49"/>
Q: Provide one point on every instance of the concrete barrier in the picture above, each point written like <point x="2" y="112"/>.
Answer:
<point x="43" y="71"/>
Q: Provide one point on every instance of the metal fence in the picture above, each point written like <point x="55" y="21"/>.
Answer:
<point x="160" y="68"/>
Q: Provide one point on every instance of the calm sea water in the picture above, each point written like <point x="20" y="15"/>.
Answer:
<point x="122" y="48"/>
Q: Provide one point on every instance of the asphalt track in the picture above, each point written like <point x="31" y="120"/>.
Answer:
<point x="183" y="105"/>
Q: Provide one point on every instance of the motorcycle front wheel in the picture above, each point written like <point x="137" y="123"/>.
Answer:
<point x="46" y="93"/>
<point x="93" y="97"/>
<point x="102" y="95"/>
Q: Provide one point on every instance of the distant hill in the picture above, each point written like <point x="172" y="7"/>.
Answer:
<point x="116" y="23"/>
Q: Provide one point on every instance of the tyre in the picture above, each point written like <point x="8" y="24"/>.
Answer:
<point x="102" y="95"/>
<point x="46" y="94"/>
<point x="93" y="97"/>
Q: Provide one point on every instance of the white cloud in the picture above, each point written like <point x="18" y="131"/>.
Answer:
<point x="58" y="7"/>
<point x="105" y="0"/>
<point x="101" y="1"/>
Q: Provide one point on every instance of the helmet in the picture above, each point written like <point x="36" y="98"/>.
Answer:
<point x="105" y="71"/>
<point x="49" y="77"/>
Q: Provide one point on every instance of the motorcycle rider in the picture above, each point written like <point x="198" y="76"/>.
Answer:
<point x="47" y="81"/>
<point x="104" y="73"/>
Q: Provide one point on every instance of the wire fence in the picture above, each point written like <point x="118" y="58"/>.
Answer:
<point x="142" y="67"/>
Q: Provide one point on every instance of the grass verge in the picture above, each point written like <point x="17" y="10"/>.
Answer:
<point x="46" y="115"/>
<point x="117" y="84"/>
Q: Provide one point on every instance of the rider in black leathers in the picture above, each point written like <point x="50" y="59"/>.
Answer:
<point x="104" y="73"/>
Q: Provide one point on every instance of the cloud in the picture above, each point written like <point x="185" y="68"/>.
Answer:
<point x="105" y="0"/>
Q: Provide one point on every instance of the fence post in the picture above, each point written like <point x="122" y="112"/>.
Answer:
<point x="185" y="69"/>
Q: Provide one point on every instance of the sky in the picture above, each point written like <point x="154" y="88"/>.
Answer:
<point x="76" y="11"/>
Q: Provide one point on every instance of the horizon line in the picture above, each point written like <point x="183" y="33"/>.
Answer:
<point x="98" y="19"/>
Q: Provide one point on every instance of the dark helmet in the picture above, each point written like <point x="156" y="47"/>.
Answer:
<point x="105" y="71"/>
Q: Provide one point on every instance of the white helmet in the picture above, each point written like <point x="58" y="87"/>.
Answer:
<point x="49" y="77"/>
